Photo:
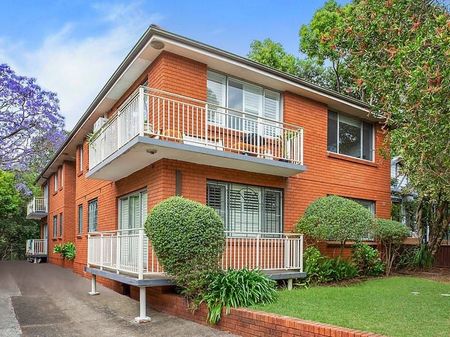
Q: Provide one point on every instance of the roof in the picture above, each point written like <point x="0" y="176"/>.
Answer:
<point x="182" y="42"/>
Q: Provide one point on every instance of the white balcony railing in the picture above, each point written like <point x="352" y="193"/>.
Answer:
<point x="36" y="247"/>
<point x="37" y="205"/>
<point x="130" y="252"/>
<point x="167" y="116"/>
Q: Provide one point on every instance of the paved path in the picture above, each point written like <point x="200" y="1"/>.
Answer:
<point x="47" y="300"/>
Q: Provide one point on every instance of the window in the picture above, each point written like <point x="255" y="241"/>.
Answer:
<point x="92" y="215"/>
<point x="238" y="95"/>
<point x="350" y="136"/>
<point x="60" y="225"/>
<point x="80" y="158"/>
<point x="55" y="181"/>
<point x="61" y="182"/>
<point x="369" y="204"/>
<point x="55" y="226"/>
<point x="246" y="208"/>
<point x="80" y="219"/>
<point x="133" y="210"/>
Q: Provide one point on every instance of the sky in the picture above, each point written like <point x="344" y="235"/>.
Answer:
<point x="73" y="47"/>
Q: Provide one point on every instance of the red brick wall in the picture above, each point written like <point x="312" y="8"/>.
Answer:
<point x="245" y="322"/>
<point x="61" y="201"/>
<point x="332" y="174"/>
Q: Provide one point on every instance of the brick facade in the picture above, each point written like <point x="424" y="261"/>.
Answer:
<point x="326" y="173"/>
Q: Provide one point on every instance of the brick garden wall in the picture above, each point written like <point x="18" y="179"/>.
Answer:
<point x="245" y="322"/>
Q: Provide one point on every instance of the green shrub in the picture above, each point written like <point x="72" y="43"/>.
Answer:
<point x="423" y="258"/>
<point x="320" y="269"/>
<point x="335" y="218"/>
<point x="237" y="288"/>
<point x="367" y="260"/>
<point x="58" y="249"/>
<point x="69" y="251"/>
<point x="188" y="239"/>
<point x="407" y="257"/>
<point x="391" y="234"/>
<point x="66" y="250"/>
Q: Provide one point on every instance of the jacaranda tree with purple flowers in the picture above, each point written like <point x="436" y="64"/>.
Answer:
<point x="29" y="116"/>
<point x="31" y="129"/>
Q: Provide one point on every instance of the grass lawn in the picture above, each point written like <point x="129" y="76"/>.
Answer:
<point x="385" y="306"/>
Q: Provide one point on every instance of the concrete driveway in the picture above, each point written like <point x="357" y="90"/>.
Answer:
<point x="46" y="300"/>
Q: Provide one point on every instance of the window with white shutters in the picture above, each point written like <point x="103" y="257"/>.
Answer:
<point x="246" y="208"/>
<point x="133" y="210"/>
<point x="238" y="96"/>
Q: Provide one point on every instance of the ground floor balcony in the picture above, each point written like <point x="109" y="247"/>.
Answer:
<point x="36" y="248"/>
<point x="127" y="256"/>
<point x="152" y="124"/>
<point x="37" y="208"/>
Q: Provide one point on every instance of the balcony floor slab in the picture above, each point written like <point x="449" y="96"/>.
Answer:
<point x="160" y="279"/>
<point x="143" y="151"/>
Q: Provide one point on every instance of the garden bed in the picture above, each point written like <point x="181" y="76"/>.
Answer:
<point x="395" y="306"/>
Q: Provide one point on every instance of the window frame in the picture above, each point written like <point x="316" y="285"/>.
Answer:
<point x="90" y="224"/>
<point x="55" y="181"/>
<point x="128" y="196"/>
<point x="245" y="82"/>
<point x="362" y="121"/>
<point x="61" y="224"/>
<point x="55" y="226"/>
<point x="261" y="207"/>
<point x="80" y="219"/>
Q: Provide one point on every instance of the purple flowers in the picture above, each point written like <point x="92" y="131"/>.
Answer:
<point x="31" y="127"/>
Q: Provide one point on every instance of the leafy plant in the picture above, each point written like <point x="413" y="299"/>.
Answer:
<point x="335" y="218"/>
<point x="320" y="269"/>
<point x="423" y="258"/>
<point x="70" y="251"/>
<point x="67" y="250"/>
<point x="367" y="259"/>
<point x="391" y="234"/>
<point x="188" y="238"/>
<point x="237" y="288"/>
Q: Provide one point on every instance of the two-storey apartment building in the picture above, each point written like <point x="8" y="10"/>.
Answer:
<point x="179" y="117"/>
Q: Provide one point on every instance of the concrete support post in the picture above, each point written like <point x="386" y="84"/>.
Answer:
<point x="289" y="285"/>
<point x="94" y="286"/>
<point x="143" y="318"/>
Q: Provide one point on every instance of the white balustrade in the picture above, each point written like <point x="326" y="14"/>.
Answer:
<point x="37" y="205"/>
<point x="171" y="117"/>
<point x="36" y="247"/>
<point x="130" y="251"/>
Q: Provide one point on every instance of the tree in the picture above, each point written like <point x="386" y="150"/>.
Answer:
<point x="14" y="228"/>
<point x="29" y="116"/>
<point x="335" y="218"/>
<point x="399" y="52"/>
<point x="391" y="235"/>
<point x="318" y="42"/>
<point x="272" y="54"/>
<point x="9" y="196"/>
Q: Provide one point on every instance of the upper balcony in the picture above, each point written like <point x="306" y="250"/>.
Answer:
<point x="153" y="124"/>
<point x="37" y="208"/>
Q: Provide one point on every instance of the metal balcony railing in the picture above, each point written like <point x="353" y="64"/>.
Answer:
<point x="36" y="247"/>
<point x="130" y="251"/>
<point x="37" y="205"/>
<point x="171" y="117"/>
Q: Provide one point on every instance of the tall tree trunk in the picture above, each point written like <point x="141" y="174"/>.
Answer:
<point x="438" y="226"/>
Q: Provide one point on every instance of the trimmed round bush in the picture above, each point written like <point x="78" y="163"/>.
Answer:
<point x="391" y="235"/>
<point x="188" y="238"/>
<point x="335" y="218"/>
